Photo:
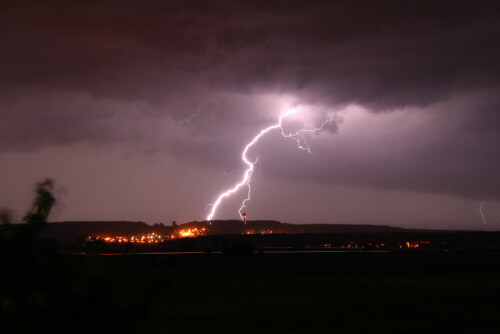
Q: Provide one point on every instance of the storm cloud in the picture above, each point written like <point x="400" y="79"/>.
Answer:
<point x="414" y="87"/>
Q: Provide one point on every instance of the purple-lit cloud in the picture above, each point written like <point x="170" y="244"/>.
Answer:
<point x="415" y="85"/>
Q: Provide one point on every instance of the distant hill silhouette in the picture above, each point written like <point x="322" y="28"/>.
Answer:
<point x="268" y="226"/>
<point x="278" y="227"/>
<point x="76" y="230"/>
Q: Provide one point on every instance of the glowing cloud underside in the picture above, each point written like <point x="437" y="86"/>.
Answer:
<point x="301" y="144"/>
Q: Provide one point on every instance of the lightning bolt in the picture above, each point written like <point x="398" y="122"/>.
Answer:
<point x="481" y="212"/>
<point x="198" y="113"/>
<point x="298" y="137"/>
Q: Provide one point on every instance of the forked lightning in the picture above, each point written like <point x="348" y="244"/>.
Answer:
<point x="247" y="175"/>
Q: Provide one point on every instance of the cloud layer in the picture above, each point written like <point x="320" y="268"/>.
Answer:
<point x="416" y="83"/>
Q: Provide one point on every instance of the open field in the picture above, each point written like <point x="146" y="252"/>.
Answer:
<point x="394" y="292"/>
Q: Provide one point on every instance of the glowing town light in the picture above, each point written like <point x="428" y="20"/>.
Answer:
<point x="245" y="180"/>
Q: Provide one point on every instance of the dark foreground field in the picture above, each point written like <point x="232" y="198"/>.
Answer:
<point x="409" y="292"/>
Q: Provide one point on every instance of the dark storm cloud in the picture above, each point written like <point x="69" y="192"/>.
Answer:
<point x="128" y="72"/>
<point x="380" y="53"/>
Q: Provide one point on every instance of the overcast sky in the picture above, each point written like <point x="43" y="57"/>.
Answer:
<point x="140" y="110"/>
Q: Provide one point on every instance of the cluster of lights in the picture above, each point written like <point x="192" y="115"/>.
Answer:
<point x="259" y="232"/>
<point x="192" y="232"/>
<point x="150" y="238"/>
<point x="350" y="245"/>
<point x="413" y="244"/>
<point x="115" y="239"/>
<point x="407" y="244"/>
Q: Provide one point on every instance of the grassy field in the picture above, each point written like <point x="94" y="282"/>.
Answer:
<point x="409" y="292"/>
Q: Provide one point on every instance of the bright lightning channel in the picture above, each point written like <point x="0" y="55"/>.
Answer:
<point x="298" y="137"/>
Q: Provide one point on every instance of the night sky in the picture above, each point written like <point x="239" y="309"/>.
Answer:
<point x="96" y="95"/>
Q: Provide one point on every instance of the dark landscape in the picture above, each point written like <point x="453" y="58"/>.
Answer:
<point x="224" y="236"/>
<point x="342" y="281"/>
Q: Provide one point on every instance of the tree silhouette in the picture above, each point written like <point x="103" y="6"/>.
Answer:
<point x="6" y="216"/>
<point x="44" y="200"/>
